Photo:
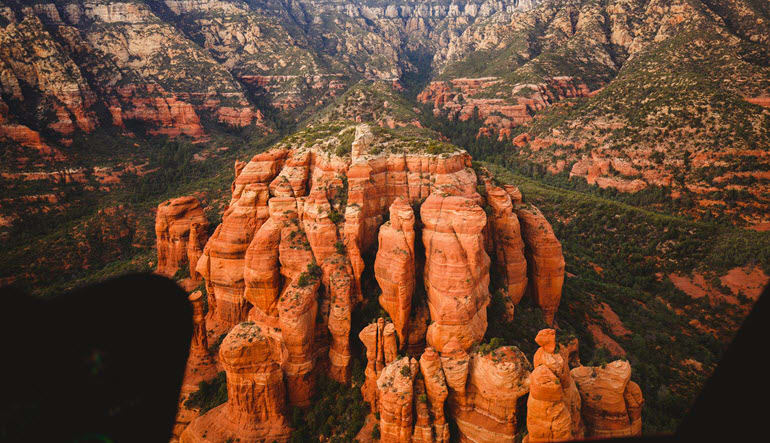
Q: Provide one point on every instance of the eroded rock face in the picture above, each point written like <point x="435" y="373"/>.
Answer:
<point x="553" y="407"/>
<point x="395" y="387"/>
<point x="255" y="409"/>
<point x="173" y="226"/>
<point x="545" y="261"/>
<point x="380" y="343"/>
<point x="394" y="266"/>
<point x="510" y="263"/>
<point x="200" y="364"/>
<point x="456" y="270"/>
<point x="611" y="402"/>
<point x="486" y="412"/>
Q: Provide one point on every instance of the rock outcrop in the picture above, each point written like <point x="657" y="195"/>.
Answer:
<point x="380" y="343"/>
<point x="545" y="261"/>
<point x="200" y="364"/>
<point x="255" y="410"/>
<point x="394" y="266"/>
<point x="395" y="387"/>
<point x="611" y="402"/>
<point x="456" y="270"/>
<point x="553" y="407"/>
<point x="175" y="243"/>
<point x="486" y="411"/>
<point x="510" y="263"/>
<point x="288" y="257"/>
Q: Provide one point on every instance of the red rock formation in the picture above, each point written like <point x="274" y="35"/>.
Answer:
<point x="195" y="244"/>
<point x="172" y="230"/>
<point x="394" y="266"/>
<point x="437" y="392"/>
<point x="553" y="407"/>
<point x="545" y="262"/>
<point x="456" y="270"/>
<point x="396" y="391"/>
<point x="255" y="409"/>
<point x="486" y="411"/>
<point x="611" y="403"/>
<point x="200" y="364"/>
<point x="462" y="98"/>
<point x="510" y="262"/>
<point x="373" y="338"/>
<point x="286" y="258"/>
<point x="297" y="310"/>
<point x="222" y="262"/>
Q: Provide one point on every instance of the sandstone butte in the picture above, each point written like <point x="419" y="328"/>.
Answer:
<point x="283" y="275"/>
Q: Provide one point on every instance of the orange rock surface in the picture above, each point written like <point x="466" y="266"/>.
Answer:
<point x="611" y="402"/>
<point x="437" y="391"/>
<point x="510" y="263"/>
<point x="195" y="244"/>
<point x="456" y="271"/>
<point x="395" y="387"/>
<point x="255" y="410"/>
<point x="553" y="406"/>
<point x="545" y="261"/>
<point x="394" y="266"/>
<point x="486" y="411"/>
<point x="173" y="221"/>
<point x="377" y="357"/>
<point x="200" y="364"/>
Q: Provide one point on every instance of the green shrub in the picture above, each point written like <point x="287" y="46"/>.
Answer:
<point x="209" y="394"/>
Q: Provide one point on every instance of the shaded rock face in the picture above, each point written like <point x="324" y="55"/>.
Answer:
<point x="380" y="343"/>
<point x="255" y="409"/>
<point x="180" y="232"/>
<point x="511" y="264"/>
<point x="200" y="364"/>
<point x="611" y="402"/>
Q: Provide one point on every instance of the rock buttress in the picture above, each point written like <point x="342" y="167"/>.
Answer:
<point x="456" y="270"/>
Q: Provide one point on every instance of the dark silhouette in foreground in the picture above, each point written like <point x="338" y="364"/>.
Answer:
<point x="105" y="363"/>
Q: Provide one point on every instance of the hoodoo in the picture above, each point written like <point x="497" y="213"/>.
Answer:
<point x="553" y="407"/>
<point x="255" y="410"/>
